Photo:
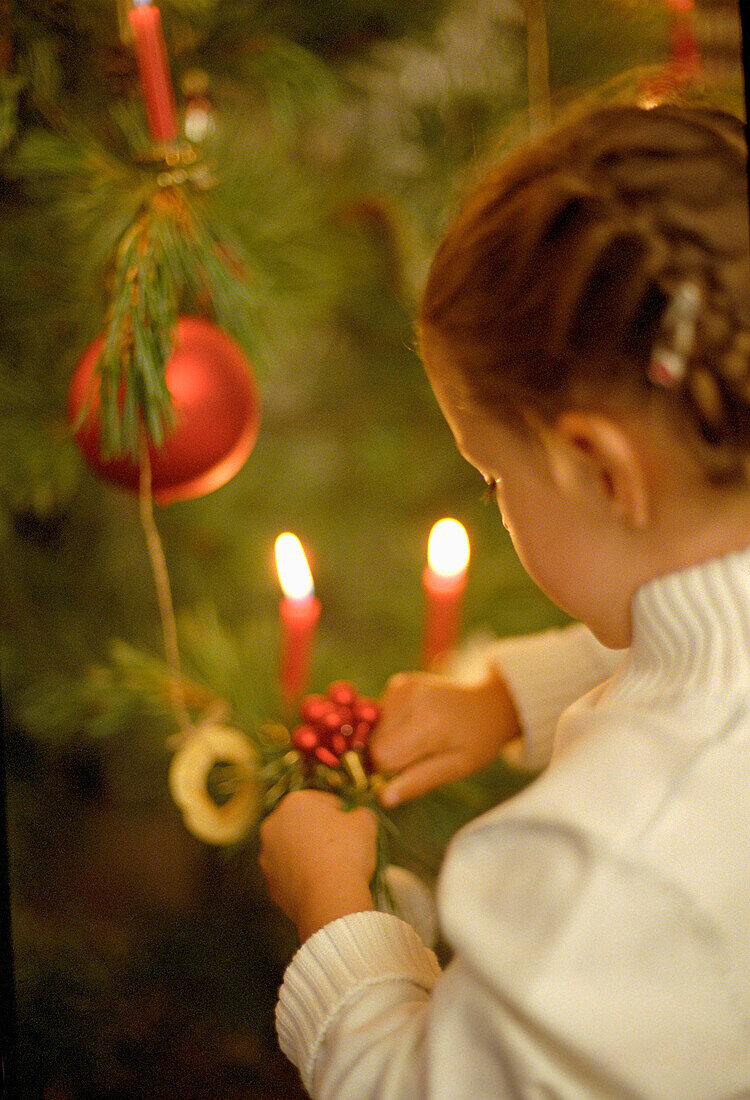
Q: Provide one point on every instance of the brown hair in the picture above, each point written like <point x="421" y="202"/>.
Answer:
<point x="556" y="275"/>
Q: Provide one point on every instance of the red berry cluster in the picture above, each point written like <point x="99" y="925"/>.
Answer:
<point x="334" y="723"/>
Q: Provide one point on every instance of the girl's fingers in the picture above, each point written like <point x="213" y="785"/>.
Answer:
<point x="398" y="693"/>
<point x="403" y="690"/>
<point x="421" y="778"/>
<point x="403" y="744"/>
<point x="406" y="731"/>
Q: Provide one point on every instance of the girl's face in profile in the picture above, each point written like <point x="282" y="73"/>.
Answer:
<point x="560" y="536"/>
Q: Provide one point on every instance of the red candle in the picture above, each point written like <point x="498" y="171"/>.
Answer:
<point x="299" y="611"/>
<point x="444" y="582"/>
<point x="153" y="67"/>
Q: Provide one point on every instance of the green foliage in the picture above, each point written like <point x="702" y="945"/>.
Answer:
<point x="10" y="88"/>
<point x="331" y="28"/>
<point x="163" y="238"/>
<point x="171" y="248"/>
<point x="301" y="224"/>
<point x="132" y="687"/>
<point x="296" y="241"/>
<point x="39" y="468"/>
<point x="589" y="40"/>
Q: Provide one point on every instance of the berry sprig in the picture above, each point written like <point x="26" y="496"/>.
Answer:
<point x="328" y="751"/>
<point x="336" y="725"/>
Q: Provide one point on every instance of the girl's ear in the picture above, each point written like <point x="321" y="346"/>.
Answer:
<point x="596" y="455"/>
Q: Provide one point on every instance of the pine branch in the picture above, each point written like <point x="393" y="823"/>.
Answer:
<point x="138" y="340"/>
<point x="239" y="229"/>
<point x="167" y="256"/>
<point x="163" y="239"/>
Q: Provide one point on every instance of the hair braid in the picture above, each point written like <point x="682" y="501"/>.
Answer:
<point x="561" y="265"/>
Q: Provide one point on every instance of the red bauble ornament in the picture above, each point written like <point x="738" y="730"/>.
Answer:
<point x="216" y="407"/>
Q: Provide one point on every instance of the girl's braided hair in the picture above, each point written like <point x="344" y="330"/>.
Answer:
<point x="554" y="280"/>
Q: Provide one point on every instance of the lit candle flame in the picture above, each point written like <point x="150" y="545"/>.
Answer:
<point x="448" y="548"/>
<point x="295" y="577"/>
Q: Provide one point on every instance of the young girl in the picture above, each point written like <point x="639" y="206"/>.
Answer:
<point x="586" y="329"/>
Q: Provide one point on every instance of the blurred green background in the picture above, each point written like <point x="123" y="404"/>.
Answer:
<point x="342" y="133"/>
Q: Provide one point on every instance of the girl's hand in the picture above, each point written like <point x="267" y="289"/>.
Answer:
<point x="318" y="859"/>
<point x="432" y="731"/>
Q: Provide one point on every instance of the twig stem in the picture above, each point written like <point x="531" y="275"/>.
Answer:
<point x="163" y="587"/>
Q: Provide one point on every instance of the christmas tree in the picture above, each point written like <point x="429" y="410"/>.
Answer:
<point x="289" y="201"/>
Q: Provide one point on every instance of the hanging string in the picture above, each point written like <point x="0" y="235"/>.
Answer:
<point x="163" y="588"/>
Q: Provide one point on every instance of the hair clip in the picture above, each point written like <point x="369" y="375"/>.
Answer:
<point x="666" y="368"/>
<point x="669" y="358"/>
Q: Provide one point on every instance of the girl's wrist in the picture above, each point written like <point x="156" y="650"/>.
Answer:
<point x="501" y="707"/>
<point x="329" y="901"/>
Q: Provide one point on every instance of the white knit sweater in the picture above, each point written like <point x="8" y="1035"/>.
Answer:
<point x="600" y="919"/>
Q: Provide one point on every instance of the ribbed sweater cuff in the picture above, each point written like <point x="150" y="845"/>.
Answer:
<point x="333" y="965"/>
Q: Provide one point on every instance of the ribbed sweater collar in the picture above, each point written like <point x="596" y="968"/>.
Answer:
<point x="691" y="632"/>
